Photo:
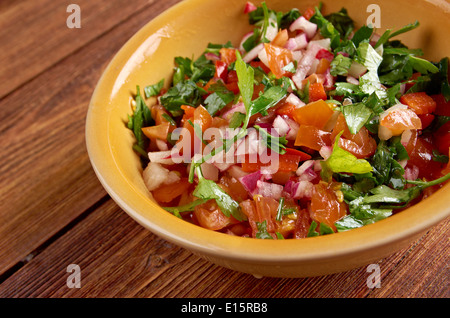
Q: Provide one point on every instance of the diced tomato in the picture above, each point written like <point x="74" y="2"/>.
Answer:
<point x="266" y="208"/>
<point x="316" y="92"/>
<point x="209" y="216"/>
<point x="221" y="70"/>
<point x="419" y="102"/>
<point x="260" y="64"/>
<point x="285" y="109"/>
<point x="157" y="112"/>
<point x="168" y="193"/>
<point x="157" y="132"/>
<point x="323" y="66"/>
<point x="312" y="137"/>
<point x="426" y="120"/>
<point x="442" y="106"/>
<point x="202" y="118"/>
<point x="325" y="206"/>
<point x="188" y="110"/>
<point x="234" y="188"/>
<point x="309" y="12"/>
<point x="248" y="207"/>
<point x="400" y="119"/>
<point x="325" y="54"/>
<point x="227" y="55"/>
<point x="314" y="114"/>
<point x="281" y="38"/>
<point x="442" y="138"/>
<point x="278" y="58"/>
<point x="302" y="225"/>
<point x="420" y="154"/>
<point x="361" y="144"/>
<point x="288" y="161"/>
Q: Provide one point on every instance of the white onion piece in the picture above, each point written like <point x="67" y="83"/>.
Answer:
<point x="294" y="127"/>
<point x="352" y="80"/>
<point x="262" y="55"/>
<point x="162" y="145"/>
<point x="305" y="64"/>
<point x="267" y="189"/>
<point x="163" y="157"/>
<point x="281" y="126"/>
<point x="304" y="166"/>
<point x="155" y="175"/>
<point x="325" y="152"/>
<point x="294" y="100"/>
<point x="253" y="53"/>
<point x="305" y="25"/>
<point x="356" y="70"/>
<point x="272" y="30"/>
<point x="323" y="43"/>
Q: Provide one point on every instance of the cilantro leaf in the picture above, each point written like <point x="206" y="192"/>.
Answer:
<point x="140" y="118"/>
<point x="277" y="144"/>
<point x="208" y="189"/>
<point x="356" y="116"/>
<point x="153" y="90"/>
<point x="341" y="160"/>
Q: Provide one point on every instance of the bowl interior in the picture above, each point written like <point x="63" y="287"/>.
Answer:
<point x="185" y="30"/>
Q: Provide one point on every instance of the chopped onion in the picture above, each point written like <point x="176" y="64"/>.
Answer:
<point x="305" y="64"/>
<point x="305" y="25"/>
<point x="304" y="166"/>
<point x="356" y="70"/>
<point x="294" y="100"/>
<point x="249" y="181"/>
<point x="325" y="152"/>
<point x="262" y="55"/>
<point x="164" y="157"/>
<point x="267" y="189"/>
<point x="294" y="127"/>
<point x="212" y="57"/>
<point x="210" y="171"/>
<point x="352" y="80"/>
<point x="253" y="53"/>
<point x="281" y="126"/>
<point x="156" y="175"/>
<point x="239" y="107"/>
<point x="298" y="42"/>
<point x="323" y="43"/>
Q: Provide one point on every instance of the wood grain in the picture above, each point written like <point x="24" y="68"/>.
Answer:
<point x="35" y="36"/>
<point x="47" y="179"/>
<point x="119" y="258"/>
<point x="54" y="212"/>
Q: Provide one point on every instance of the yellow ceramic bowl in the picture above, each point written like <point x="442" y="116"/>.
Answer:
<point x="185" y="30"/>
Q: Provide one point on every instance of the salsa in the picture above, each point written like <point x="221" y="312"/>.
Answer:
<point x="309" y="126"/>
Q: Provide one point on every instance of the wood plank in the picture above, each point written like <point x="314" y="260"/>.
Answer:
<point x="119" y="258"/>
<point x="35" y="36"/>
<point x="47" y="179"/>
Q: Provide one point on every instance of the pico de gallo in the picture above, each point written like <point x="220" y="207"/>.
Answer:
<point x="355" y="124"/>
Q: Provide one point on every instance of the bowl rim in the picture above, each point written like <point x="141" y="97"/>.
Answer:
<point x="391" y="231"/>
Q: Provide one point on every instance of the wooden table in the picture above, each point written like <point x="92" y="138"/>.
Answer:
<point x="54" y="212"/>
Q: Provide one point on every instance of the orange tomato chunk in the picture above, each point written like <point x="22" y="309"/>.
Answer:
<point x="325" y="205"/>
<point x="314" y="114"/>
<point x="419" y="102"/>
